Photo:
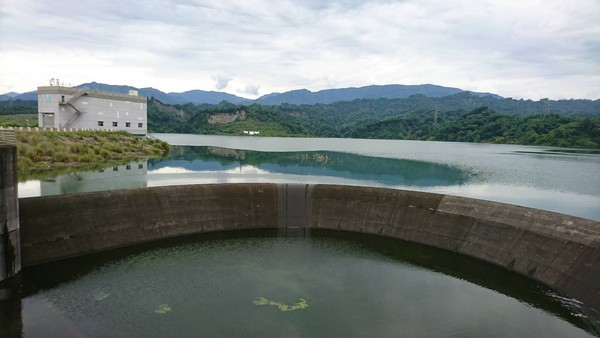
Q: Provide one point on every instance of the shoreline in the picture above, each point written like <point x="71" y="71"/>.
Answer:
<point x="43" y="153"/>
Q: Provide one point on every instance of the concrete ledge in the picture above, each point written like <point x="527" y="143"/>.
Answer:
<point x="59" y="227"/>
<point x="560" y="251"/>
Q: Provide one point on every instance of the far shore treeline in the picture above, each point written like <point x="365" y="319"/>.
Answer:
<point x="454" y="118"/>
<point x="461" y="117"/>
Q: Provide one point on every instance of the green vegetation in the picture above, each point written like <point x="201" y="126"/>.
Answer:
<point x="299" y="305"/>
<point x="19" y="120"/>
<point x="18" y="113"/>
<point x="43" y="153"/>
<point x="15" y="107"/>
<point x="163" y="308"/>
<point x="489" y="126"/>
<point x="415" y="118"/>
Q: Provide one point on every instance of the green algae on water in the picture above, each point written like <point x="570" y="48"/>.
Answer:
<point x="299" y="305"/>
<point x="163" y="308"/>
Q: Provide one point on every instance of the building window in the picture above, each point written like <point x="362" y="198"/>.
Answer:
<point x="140" y="125"/>
<point x="140" y="166"/>
<point x="114" y="124"/>
<point x="100" y="123"/>
<point x="127" y="124"/>
<point x="128" y="167"/>
<point x="115" y="168"/>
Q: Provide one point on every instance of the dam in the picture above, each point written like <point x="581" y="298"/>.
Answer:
<point x="557" y="250"/>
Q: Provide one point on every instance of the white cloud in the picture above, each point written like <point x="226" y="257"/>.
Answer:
<point x="250" y="89"/>
<point x="222" y="81"/>
<point x="528" y="49"/>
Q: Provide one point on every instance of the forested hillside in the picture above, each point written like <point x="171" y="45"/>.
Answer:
<point x="455" y="118"/>
<point x="460" y="117"/>
<point x="12" y="107"/>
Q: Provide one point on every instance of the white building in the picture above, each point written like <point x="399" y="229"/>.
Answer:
<point x="66" y="107"/>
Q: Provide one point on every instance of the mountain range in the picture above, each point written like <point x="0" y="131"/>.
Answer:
<point x="301" y="96"/>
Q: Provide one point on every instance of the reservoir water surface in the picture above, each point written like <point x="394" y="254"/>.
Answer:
<point x="331" y="284"/>
<point x="554" y="179"/>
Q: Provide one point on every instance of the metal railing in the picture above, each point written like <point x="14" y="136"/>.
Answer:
<point x="7" y="136"/>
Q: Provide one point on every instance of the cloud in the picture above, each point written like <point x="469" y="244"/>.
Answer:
<point x="250" y="89"/>
<point x="528" y="49"/>
<point x="222" y="81"/>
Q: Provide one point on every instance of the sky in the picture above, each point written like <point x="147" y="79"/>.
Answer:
<point x="522" y="49"/>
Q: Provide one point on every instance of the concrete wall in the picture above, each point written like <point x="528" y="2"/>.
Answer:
<point x="10" y="256"/>
<point x="558" y="250"/>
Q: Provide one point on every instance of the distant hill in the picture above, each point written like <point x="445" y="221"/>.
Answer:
<point x="107" y="88"/>
<point x="193" y="96"/>
<point x="301" y="96"/>
<point x="201" y="96"/>
<point x="399" y="98"/>
<point x="304" y="96"/>
<point x="25" y="96"/>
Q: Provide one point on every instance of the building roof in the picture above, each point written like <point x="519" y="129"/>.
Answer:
<point x="91" y="93"/>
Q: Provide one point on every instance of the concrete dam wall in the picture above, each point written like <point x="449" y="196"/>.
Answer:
<point x="10" y="255"/>
<point x="560" y="251"/>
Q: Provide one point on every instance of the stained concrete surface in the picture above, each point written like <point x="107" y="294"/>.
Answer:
<point x="558" y="250"/>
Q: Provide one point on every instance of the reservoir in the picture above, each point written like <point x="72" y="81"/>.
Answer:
<point x="326" y="283"/>
<point x="555" y="179"/>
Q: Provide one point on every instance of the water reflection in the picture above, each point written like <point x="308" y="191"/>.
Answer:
<point x="565" y="182"/>
<point x="192" y="165"/>
<point x="385" y="171"/>
<point x="127" y="176"/>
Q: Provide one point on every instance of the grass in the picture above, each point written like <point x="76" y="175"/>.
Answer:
<point x="44" y="153"/>
<point x="19" y="120"/>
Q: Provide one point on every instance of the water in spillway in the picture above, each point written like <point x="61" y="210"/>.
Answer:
<point x="255" y="283"/>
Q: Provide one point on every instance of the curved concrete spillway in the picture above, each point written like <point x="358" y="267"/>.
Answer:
<point x="560" y="251"/>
